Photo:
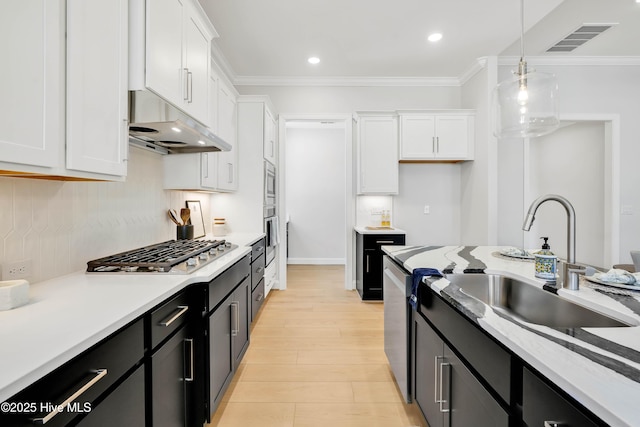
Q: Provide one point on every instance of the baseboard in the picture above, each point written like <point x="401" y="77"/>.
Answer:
<point x="317" y="261"/>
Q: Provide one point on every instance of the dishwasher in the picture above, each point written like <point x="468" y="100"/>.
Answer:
<point x="396" y="289"/>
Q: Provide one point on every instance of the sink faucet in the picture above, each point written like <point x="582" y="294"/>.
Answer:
<point x="571" y="233"/>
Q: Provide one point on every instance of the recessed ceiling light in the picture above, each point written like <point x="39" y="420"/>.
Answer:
<point x="434" y="37"/>
<point x="314" y="60"/>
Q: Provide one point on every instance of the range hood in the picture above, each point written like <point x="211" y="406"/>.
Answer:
<point x="157" y="125"/>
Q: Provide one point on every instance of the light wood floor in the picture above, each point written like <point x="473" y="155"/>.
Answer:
<point x="316" y="358"/>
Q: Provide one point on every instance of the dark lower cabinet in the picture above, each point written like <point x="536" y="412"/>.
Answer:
<point x="227" y="326"/>
<point x="173" y="382"/>
<point x="446" y="391"/>
<point x="369" y="262"/>
<point x="543" y="406"/>
<point x="125" y="406"/>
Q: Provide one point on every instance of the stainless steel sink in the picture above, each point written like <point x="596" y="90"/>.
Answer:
<point x="522" y="300"/>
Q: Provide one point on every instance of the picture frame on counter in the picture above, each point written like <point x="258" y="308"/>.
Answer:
<point x="196" y="219"/>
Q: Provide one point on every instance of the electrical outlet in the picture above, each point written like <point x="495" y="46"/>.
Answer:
<point x="17" y="269"/>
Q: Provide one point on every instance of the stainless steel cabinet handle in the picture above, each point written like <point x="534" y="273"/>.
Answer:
<point x="99" y="374"/>
<point x="367" y="264"/>
<point x="183" y="309"/>
<point x="230" y="173"/>
<point x="205" y="165"/>
<point x="259" y="270"/>
<point x="260" y="297"/>
<point x="384" y="242"/>
<point x="190" y="87"/>
<point x="235" y="316"/>
<point x="433" y="144"/>
<point x="191" y="368"/>
<point x="125" y="155"/>
<point x="437" y="144"/>
<point x="185" y="80"/>
<point x="436" y="382"/>
<point x="441" y="400"/>
<point x="260" y="249"/>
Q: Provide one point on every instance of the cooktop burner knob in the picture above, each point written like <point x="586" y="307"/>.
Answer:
<point x="212" y="251"/>
<point x="203" y="256"/>
<point x="191" y="262"/>
<point x="221" y="248"/>
<point x="227" y="244"/>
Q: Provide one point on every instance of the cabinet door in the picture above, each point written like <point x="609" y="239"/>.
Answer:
<point x="469" y="403"/>
<point x="209" y="175"/>
<point x="97" y="53"/>
<point x="452" y="137"/>
<point x="417" y="137"/>
<point x="269" y="137"/>
<point x="241" y="320"/>
<point x="164" y="70"/>
<point x="172" y="377"/>
<point x="227" y="121"/>
<point x="220" y="360"/>
<point x="428" y="360"/>
<point x="196" y="63"/>
<point x="32" y="82"/>
<point x="124" y="406"/>
<point x="378" y="155"/>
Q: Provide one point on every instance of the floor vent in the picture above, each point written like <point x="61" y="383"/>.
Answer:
<point x="579" y="37"/>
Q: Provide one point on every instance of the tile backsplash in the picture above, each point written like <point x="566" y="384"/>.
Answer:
<point x="62" y="225"/>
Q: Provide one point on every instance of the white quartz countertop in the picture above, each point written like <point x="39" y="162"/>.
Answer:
<point x="373" y="230"/>
<point x="599" y="367"/>
<point x="67" y="315"/>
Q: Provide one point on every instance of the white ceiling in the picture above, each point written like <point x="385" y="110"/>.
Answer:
<point x="269" y="40"/>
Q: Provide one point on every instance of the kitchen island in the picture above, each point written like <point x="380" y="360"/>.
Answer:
<point x="599" y="367"/>
<point x="67" y="315"/>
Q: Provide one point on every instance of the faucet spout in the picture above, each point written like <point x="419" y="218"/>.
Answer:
<point x="571" y="221"/>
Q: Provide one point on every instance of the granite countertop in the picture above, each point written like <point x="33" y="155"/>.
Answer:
<point x="67" y="315"/>
<point x="599" y="367"/>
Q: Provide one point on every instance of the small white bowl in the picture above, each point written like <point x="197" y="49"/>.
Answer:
<point x="13" y="293"/>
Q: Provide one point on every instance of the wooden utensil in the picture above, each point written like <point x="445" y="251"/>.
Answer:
<point x="174" y="217"/>
<point x="185" y="214"/>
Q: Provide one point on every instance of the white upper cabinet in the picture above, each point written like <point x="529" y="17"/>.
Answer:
<point x="178" y="42"/>
<point x="436" y="136"/>
<point x="227" y="129"/>
<point x="97" y="110"/>
<point x="377" y="154"/>
<point x="270" y="148"/>
<point x="63" y="108"/>
<point x="32" y="82"/>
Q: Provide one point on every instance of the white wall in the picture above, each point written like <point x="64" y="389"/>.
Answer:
<point x="435" y="185"/>
<point x="62" y="225"/>
<point x="593" y="90"/>
<point x="316" y="195"/>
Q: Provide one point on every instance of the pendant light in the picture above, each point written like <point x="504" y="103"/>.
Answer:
<point x="525" y="105"/>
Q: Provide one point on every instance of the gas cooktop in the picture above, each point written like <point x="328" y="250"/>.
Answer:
<point x="173" y="256"/>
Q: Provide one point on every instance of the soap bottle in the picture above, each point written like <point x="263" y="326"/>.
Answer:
<point x="546" y="262"/>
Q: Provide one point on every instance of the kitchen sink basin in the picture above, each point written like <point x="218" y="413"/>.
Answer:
<point x="521" y="300"/>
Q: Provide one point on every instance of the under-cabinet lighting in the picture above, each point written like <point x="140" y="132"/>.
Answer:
<point x="176" y="129"/>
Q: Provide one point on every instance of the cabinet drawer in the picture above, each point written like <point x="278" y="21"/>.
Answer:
<point x="257" y="249"/>
<point x="374" y="241"/>
<point x="541" y="403"/>
<point x="222" y="285"/>
<point x="257" y="272"/>
<point x="491" y="361"/>
<point x="257" y="299"/>
<point x="168" y="317"/>
<point x="94" y="371"/>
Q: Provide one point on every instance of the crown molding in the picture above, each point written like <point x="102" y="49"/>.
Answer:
<point x="345" y="81"/>
<point x="478" y="65"/>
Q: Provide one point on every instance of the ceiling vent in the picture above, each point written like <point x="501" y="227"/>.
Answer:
<point x="579" y="37"/>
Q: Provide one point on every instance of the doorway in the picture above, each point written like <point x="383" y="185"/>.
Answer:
<point x="316" y="188"/>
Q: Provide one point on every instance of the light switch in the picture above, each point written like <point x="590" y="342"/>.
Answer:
<point x="427" y="209"/>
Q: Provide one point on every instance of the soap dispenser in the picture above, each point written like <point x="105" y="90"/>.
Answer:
<point x="546" y="262"/>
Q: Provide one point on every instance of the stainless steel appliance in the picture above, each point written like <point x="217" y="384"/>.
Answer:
<point x="173" y="257"/>
<point x="272" y="237"/>
<point x="396" y="288"/>
<point x="156" y="124"/>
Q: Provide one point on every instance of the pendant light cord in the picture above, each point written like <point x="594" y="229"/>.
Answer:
<point x="521" y="30"/>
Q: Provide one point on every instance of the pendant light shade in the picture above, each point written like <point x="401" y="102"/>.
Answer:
<point x="525" y="105"/>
